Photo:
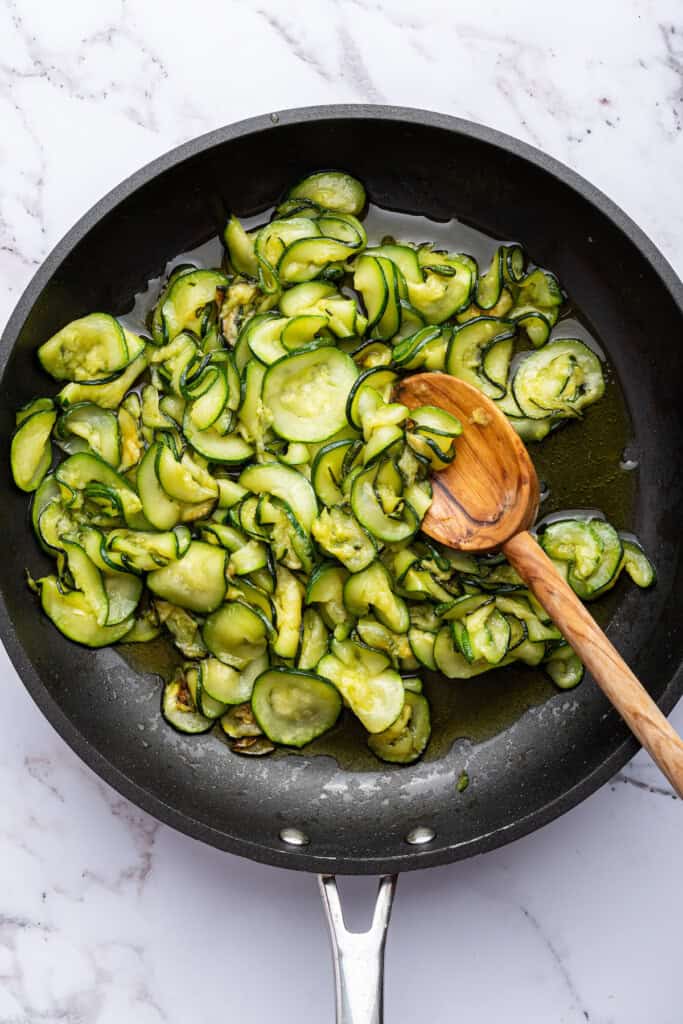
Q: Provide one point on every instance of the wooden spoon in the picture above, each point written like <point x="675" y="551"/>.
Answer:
<point x="487" y="499"/>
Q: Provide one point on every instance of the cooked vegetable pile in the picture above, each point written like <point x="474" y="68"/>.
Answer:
<point x="242" y="481"/>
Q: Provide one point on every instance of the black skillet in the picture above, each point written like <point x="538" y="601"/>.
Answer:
<point x="308" y="813"/>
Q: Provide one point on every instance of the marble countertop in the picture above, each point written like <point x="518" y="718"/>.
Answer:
<point x="108" y="917"/>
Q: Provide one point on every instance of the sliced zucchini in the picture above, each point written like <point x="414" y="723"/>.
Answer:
<point x="406" y="739"/>
<point x="303" y="297"/>
<point x="422" y="645"/>
<point x="470" y="347"/>
<point x="306" y="258"/>
<point x="333" y="190"/>
<point x="314" y="640"/>
<point x="285" y="483"/>
<point x="372" y="689"/>
<point x="91" y="427"/>
<point x="184" y="307"/>
<point x="90" y="349"/>
<point x="178" y="708"/>
<point x="637" y="564"/>
<point x="161" y="511"/>
<point x="372" y="588"/>
<point x="108" y="395"/>
<point x="240" y="246"/>
<point x="561" y="379"/>
<point x="566" y="672"/>
<point x="306" y="393"/>
<point x="228" y="449"/>
<point x="236" y="634"/>
<point x="31" y="452"/>
<point x="440" y="296"/>
<point x="293" y="707"/>
<point x="223" y="683"/>
<point x="288" y="600"/>
<point x="370" y="514"/>
<point x="85" y="475"/>
<point x="328" y="470"/>
<point x="340" y="535"/>
<point x="74" y="617"/>
<point x="196" y="581"/>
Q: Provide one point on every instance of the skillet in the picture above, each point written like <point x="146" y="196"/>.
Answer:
<point x="305" y="812"/>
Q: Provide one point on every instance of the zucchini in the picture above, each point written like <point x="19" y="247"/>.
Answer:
<point x="370" y="514"/>
<point x="179" y="710"/>
<point x="327" y="471"/>
<point x="306" y="393"/>
<point x="109" y="394"/>
<point x="293" y="707"/>
<point x="637" y="564"/>
<point x="225" y="684"/>
<point x="31" y="452"/>
<point x="406" y="739"/>
<point x="469" y="354"/>
<point x="561" y="379"/>
<point x="372" y="689"/>
<point x="184" y="306"/>
<point x="340" y="535"/>
<point x="314" y="640"/>
<point x="87" y="426"/>
<point x="236" y="634"/>
<point x="306" y="258"/>
<point x="333" y="190"/>
<point x="264" y="437"/>
<point x="285" y="483"/>
<point x="74" y="617"/>
<point x="196" y="581"/>
<point x="90" y="349"/>
<point x="372" y="588"/>
<point x="440" y="296"/>
<point x="240" y="246"/>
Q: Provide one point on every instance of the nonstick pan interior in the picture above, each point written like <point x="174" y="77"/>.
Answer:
<point x="552" y="756"/>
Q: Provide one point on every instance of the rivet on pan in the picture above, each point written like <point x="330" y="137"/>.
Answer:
<point x="420" y="835"/>
<point x="294" y="837"/>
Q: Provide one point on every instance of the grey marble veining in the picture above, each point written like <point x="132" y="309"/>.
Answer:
<point x="107" y="917"/>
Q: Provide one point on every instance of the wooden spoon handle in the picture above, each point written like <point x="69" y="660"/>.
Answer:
<point x="603" y="661"/>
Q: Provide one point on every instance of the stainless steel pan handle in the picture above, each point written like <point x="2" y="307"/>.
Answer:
<point x="358" y="956"/>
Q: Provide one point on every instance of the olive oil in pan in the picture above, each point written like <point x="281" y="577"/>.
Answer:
<point x="581" y="466"/>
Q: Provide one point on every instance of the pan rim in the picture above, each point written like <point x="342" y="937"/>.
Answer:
<point x="303" y="858"/>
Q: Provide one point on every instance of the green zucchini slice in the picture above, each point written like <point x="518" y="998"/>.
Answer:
<point x="285" y="483"/>
<point x="372" y="588"/>
<point x="196" y="581"/>
<point x="179" y="710"/>
<point x="306" y="258"/>
<point x="236" y="634"/>
<point x="31" y="452"/>
<point x="333" y="190"/>
<point x="184" y="307"/>
<point x="87" y="426"/>
<point x="306" y="393"/>
<point x="74" y="617"/>
<point x="406" y="739"/>
<point x="637" y="564"/>
<point x="372" y="689"/>
<point x="293" y="707"/>
<point x="90" y="349"/>
<point x="340" y="535"/>
<point x="240" y="246"/>
<point x="561" y="379"/>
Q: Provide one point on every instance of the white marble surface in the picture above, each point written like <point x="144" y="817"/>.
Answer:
<point x="108" y="917"/>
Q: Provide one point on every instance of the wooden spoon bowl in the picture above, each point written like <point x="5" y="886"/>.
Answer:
<point x="490" y="491"/>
